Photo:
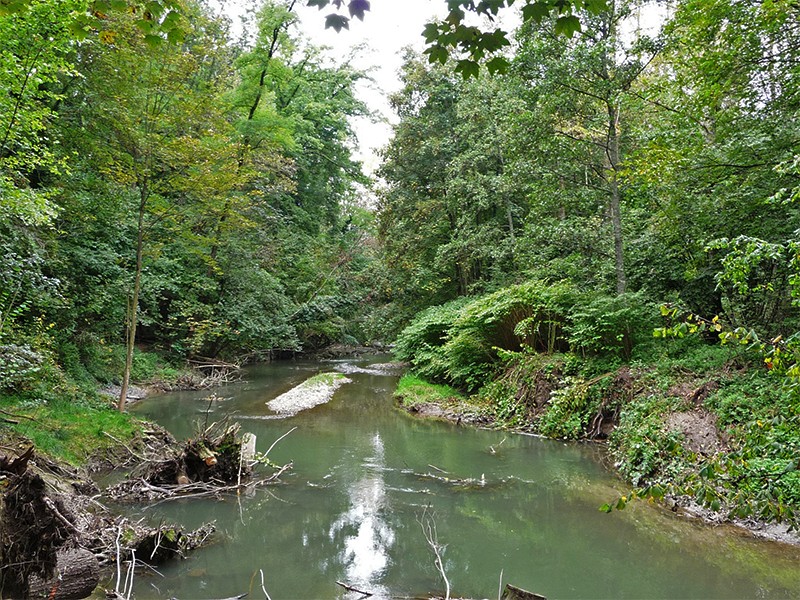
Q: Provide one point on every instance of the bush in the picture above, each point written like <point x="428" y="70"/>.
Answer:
<point x="422" y="342"/>
<point x="19" y="366"/>
<point x="644" y="451"/>
<point x="571" y="409"/>
<point x="531" y="315"/>
<point x="612" y="324"/>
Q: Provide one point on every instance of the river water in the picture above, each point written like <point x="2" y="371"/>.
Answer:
<point x="366" y="474"/>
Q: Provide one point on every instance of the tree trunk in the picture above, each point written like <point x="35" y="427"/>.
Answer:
<point x="615" y="203"/>
<point x="77" y="575"/>
<point x="133" y="306"/>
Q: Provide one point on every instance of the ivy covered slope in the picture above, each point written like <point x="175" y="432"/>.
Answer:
<point x="602" y="244"/>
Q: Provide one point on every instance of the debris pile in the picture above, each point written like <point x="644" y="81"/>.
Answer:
<point x="213" y="462"/>
<point x="55" y="537"/>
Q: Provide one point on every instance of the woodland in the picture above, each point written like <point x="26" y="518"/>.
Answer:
<point x="582" y="227"/>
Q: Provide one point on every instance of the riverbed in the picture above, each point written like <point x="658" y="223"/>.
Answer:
<point x="505" y="507"/>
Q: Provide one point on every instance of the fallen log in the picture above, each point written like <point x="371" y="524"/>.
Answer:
<point x="514" y="593"/>
<point x="76" y="575"/>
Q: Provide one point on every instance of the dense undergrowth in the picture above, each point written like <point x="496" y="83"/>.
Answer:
<point x="686" y="416"/>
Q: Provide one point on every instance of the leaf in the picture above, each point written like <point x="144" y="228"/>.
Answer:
<point x="535" y="12"/>
<point x="152" y="40"/>
<point x="175" y="36"/>
<point x="567" y="25"/>
<point x="337" y="22"/>
<point x="437" y="54"/>
<point x="431" y="32"/>
<point x="455" y="17"/>
<point x="357" y="8"/>
<point x="499" y="64"/>
<point x="320" y="4"/>
<point x="596" y="6"/>
<point x="468" y="68"/>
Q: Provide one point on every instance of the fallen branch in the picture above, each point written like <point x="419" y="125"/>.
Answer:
<point x="278" y="440"/>
<point x="350" y="588"/>
<point x="428" y="525"/>
<point x="204" y="490"/>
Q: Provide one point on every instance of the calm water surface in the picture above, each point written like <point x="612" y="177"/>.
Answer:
<point x="350" y="511"/>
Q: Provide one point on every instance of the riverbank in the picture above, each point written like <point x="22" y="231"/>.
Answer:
<point x="702" y="429"/>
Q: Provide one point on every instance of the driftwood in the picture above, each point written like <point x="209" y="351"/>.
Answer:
<point x="350" y="588"/>
<point x="213" y="463"/>
<point x="514" y="593"/>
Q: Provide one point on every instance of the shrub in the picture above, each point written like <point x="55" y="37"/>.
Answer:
<point x="531" y="315"/>
<point x="572" y="408"/>
<point x="644" y="451"/>
<point x="611" y="324"/>
<point x="422" y="342"/>
<point x="19" y="366"/>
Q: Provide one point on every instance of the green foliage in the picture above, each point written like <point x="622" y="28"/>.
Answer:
<point x="643" y="450"/>
<point x="611" y="325"/>
<point x="530" y="315"/>
<point x="19" y="366"/>
<point x="759" y="281"/>
<point x="572" y="407"/>
<point x="422" y="342"/>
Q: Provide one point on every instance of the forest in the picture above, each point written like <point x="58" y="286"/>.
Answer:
<point x="583" y="227"/>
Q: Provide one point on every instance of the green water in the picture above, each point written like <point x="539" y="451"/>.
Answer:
<point x="349" y="511"/>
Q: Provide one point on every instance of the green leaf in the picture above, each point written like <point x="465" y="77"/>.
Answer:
<point x="467" y="68"/>
<point x="567" y="25"/>
<point x="430" y="33"/>
<point x="175" y="36"/>
<point x="320" y="4"/>
<point x="595" y="6"/>
<point x="455" y="17"/>
<point x="152" y="40"/>
<point x="499" y="64"/>
<point x="357" y="8"/>
<point x="437" y="54"/>
<point x="337" y="22"/>
<point x="535" y="12"/>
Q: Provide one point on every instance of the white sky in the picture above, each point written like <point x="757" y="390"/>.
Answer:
<point x="388" y="27"/>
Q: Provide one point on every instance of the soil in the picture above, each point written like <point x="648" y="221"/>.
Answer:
<point x="699" y="430"/>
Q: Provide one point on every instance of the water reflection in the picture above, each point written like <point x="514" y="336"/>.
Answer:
<point x="368" y="537"/>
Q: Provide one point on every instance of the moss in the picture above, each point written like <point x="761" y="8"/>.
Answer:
<point x="325" y="379"/>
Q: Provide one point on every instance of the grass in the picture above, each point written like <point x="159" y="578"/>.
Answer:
<point x="411" y="390"/>
<point x="325" y="379"/>
<point x="72" y="430"/>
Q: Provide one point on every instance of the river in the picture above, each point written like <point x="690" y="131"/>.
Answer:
<point x="365" y="474"/>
